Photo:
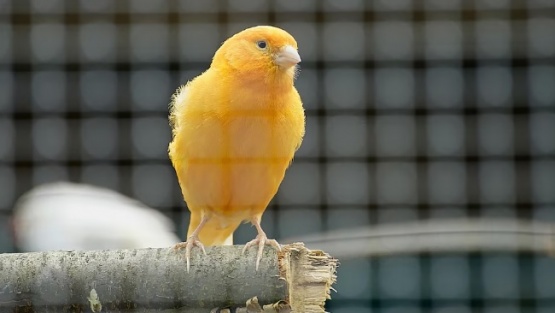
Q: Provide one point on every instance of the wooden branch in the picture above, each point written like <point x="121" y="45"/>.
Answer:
<point x="153" y="280"/>
<point x="437" y="236"/>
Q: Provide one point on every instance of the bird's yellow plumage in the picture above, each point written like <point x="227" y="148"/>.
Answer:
<point x="236" y="128"/>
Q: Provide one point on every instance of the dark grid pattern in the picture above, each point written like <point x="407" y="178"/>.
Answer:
<point x="415" y="109"/>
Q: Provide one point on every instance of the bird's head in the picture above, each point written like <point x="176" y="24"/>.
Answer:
<point x="260" y="52"/>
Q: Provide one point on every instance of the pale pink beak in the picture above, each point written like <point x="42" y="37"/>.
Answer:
<point x="287" y="57"/>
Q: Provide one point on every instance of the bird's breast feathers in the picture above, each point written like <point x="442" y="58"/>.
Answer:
<point x="232" y="147"/>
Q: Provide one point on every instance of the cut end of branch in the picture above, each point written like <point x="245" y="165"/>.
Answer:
<point x="309" y="275"/>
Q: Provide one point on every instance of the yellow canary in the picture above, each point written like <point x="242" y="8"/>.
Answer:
<point x="235" y="130"/>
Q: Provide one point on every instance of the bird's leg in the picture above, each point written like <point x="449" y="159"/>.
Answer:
<point x="193" y="240"/>
<point x="262" y="240"/>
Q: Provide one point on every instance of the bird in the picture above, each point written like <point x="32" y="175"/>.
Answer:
<point x="75" y="216"/>
<point x="235" y="130"/>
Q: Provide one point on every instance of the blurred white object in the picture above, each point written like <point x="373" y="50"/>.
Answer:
<point x="69" y="216"/>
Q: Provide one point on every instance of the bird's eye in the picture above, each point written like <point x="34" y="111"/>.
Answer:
<point x="262" y="44"/>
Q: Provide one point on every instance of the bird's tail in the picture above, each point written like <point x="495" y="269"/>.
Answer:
<point x="213" y="233"/>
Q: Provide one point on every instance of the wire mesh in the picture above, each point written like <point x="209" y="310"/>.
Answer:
<point x="415" y="109"/>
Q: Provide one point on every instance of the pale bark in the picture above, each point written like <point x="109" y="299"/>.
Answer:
<point x="156" y="280"/>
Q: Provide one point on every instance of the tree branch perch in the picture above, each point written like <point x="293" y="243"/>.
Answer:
<point x="155" y="280"/>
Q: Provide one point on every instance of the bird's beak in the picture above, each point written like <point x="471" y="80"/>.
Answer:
<point x="287" y="57"/>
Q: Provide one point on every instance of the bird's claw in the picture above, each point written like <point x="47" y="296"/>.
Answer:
<point x="188" y="245"/>
<point x="261" y="240"/>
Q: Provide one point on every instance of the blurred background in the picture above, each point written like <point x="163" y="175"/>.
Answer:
<point x="415" y="110"/>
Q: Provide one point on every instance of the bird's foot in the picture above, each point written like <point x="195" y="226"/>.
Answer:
<point x="188" y="245"/>
<point x="261" y="240"/>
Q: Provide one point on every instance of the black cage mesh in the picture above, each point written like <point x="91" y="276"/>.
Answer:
<point x="415" y="109"/>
